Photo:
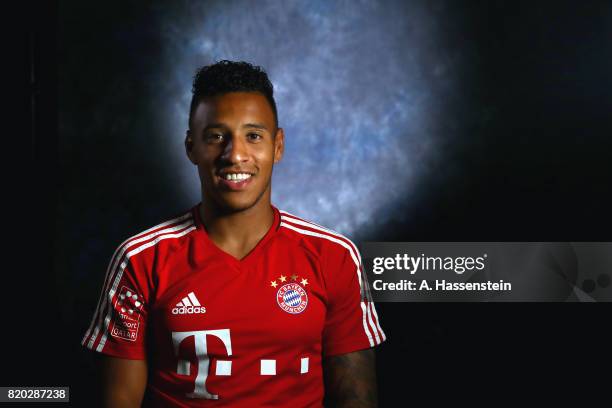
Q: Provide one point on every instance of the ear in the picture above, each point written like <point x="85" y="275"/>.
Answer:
<point x="279" y="145"/>
<point x="189" y="147"/>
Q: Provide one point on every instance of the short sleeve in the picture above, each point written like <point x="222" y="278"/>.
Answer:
<point x="118" y="326"/>
<point x="351" y="322"/>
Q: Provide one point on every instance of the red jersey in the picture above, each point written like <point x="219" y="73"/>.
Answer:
<point x="218" y="331"/>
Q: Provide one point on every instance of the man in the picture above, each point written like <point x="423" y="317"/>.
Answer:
<point x="236" y="303"/>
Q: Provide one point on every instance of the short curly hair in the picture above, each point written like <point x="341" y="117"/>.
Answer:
<point x="231" y="76"/>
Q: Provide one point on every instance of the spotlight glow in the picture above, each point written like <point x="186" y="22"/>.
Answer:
<point x="354" y="89"/>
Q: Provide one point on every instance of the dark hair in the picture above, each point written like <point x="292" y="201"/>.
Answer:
<point x="231" y="76"/>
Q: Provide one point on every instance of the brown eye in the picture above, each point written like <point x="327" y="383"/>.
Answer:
<point x="254" y="136"/>
<point x="214" y="137"/>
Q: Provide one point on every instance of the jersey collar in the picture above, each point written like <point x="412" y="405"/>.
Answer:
<point x="253" y="255"/>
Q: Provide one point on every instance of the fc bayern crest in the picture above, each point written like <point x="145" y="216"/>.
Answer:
<point x="292" y="298"/>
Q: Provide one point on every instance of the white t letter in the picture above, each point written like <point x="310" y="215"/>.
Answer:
<point x="201" y="351"/>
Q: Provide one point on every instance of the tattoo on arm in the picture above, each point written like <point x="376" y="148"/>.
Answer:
<point x="350" y="380"/>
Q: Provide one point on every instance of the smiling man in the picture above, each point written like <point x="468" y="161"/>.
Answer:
<point x="235" y="302"/>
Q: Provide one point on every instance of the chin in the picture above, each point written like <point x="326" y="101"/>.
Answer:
<point x="234" y="205"/>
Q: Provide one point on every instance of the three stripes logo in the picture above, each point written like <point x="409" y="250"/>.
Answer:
<point x="189" y="305"/>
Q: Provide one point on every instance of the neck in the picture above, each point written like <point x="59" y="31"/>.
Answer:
<point x="239" y="228"/>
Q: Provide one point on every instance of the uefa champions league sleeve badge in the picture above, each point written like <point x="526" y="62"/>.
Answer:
<point x="291" y="294"/>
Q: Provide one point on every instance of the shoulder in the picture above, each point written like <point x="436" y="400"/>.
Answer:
<point x="170" y="231"/>
<point x="324" y="241"/>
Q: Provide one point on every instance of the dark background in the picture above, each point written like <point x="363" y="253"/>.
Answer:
<point x="529" y="154"/>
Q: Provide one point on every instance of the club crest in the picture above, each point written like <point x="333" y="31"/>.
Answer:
<point x="291" y="296"/>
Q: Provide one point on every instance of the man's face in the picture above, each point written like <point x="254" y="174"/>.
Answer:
<point x="234" y="142"/>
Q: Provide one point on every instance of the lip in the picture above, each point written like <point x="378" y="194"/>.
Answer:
<point x="234" y="186"/>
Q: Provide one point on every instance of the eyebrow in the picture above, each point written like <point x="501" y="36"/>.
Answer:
<point x="214" y="126"/>
<point x="247" y="125"/>
<point x="256" y="126"/>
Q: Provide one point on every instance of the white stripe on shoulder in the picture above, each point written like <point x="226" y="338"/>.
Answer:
<point x="322" y="234"/>
<point x="382" y="333"/>
<point x="122" y="267"/>
<point x="285" y="216"/>
<point x="184" y="221"/>
<point x="121" y="250"/>
<point x="186" y="216"/>
<point x="294" y="219"/>
<point x="364" y="309"/>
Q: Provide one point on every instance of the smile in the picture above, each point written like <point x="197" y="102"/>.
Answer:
<point x="236" y="177"/>
<point x="235" y="181"/>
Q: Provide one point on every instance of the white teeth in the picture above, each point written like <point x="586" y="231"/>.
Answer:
<point x="237" y="177"/>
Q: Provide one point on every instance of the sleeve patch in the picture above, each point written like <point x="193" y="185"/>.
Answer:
<point x="127" y="307"/>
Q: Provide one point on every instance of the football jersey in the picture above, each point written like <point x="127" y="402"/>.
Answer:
<point x="222" y="331"/>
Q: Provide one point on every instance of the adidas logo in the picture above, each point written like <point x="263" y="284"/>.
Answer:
<point x="189" y="305"/>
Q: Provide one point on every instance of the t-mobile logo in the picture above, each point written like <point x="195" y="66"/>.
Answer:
<point x="201" y="351"/>
<point x="223" y="367"/>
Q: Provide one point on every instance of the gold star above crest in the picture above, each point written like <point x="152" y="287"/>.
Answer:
<point x="293" y="277"/>
<point x="304" y="282"/>
<point x="273" y="284"/>
<point x="283" y="278"/>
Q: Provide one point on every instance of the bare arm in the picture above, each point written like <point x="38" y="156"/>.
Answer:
<point x="350" y="380"/>
<point x="124" y="382"/>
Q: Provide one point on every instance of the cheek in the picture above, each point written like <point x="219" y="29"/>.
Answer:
<point x="265" y="159"/>
<point x="206" y="167"/>
<point x="206" y="156"/>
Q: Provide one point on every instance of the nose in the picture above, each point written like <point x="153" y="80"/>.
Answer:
<point x="235" y="150"/>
